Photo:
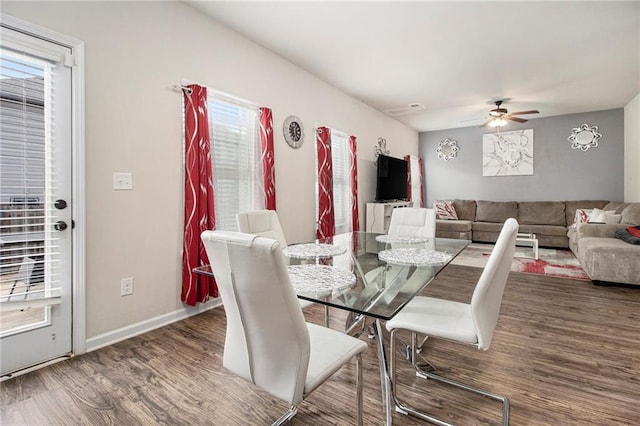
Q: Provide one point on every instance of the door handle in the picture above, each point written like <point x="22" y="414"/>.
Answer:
<point x="60" y="225"/>
<point x="60" y="204"/>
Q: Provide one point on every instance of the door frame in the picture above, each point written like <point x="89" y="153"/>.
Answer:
<point x="78" y="255"/>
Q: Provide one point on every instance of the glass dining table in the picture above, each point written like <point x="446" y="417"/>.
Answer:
<point x="372" y="276"/>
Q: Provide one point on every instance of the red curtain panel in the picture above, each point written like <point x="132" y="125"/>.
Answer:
<point x="355" y="222"/>
<point x="268" y="160"/>
<point x="326" y="219"/>
<point x="198" y="196"/>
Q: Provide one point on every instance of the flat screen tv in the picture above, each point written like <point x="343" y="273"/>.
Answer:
<point x="392" y="179"/>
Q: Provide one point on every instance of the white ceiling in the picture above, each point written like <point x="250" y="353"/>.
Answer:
<point x="455" y="57"/>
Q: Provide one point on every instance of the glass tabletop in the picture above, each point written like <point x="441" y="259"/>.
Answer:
<point x="382" y="285"/>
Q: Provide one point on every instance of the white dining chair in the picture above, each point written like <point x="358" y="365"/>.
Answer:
<point x="409" y="221"/>
<point x="267" y="340"/>
<point x="265" y="223"/>
<point x="24" y="275"/>
<point x="468" y="323"/>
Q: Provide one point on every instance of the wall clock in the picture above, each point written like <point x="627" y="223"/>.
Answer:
<point x="293" y="131"/>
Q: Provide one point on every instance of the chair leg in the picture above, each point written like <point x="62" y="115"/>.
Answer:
<point x="503" y="399"/>
<point x="401" y="407"/>
<point x="425" y="364"/>
<point x="405" y="409"/>
<point x="419" y="347"/>
<point x="326" y="316"/>
<point x="286" y="416"/>
<point x="359" y="389"/>
<point x="12" y="290"/>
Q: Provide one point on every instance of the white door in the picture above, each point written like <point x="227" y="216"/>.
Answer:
<point x="35" y="201"/>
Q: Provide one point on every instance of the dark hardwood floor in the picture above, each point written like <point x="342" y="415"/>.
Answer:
<point x="565" y="352"/>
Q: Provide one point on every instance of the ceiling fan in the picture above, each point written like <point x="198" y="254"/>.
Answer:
<point x="498" y="116"/>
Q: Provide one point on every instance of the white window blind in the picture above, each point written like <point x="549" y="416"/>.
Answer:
<point x="27" y="178"/>
<point x="341" y="181"/>
<point x="235" y="151"/>
<point x="28" y="241"/>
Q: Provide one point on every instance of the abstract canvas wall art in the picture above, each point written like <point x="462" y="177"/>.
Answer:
<point x="507" y="153"/>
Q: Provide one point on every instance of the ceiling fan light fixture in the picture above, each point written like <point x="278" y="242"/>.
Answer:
<point x="498" y="122"/>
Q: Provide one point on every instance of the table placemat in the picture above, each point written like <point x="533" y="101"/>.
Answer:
<point x="414" y="256"/>
<point x="320" y="280"/>
<point x="403" y="239"/>
<point x="313" y="250"/>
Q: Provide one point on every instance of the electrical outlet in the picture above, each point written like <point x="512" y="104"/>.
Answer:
<point x="126" y="286"/>
<point x="122" y="181"/>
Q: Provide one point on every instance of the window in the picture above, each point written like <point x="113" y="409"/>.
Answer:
<point x="235" y="152"/>
<point x="24" y="142"/>
<point x="340" y="156"/>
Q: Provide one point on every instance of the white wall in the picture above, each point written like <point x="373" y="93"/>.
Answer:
<point x="632" y="151"/>
<point x="134" y="52"/>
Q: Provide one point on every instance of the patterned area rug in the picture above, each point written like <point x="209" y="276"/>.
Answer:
<point x="552" y="262"/>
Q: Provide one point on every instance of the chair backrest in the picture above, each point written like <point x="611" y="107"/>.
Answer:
<point x="487" y="296"/>
<point x="413" y="221"/>
<point x="25" y="271"/>
<point x="264" y="223"/>
<point x="267" y="340"/>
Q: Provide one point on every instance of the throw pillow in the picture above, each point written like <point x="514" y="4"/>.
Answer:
<point x="445" y="210"/>
<point x="626" y="235"/>
<point x="582" y="216"/>
<point x="604" y="216"/>
<point x="595" y="215"/>
<point x="611" y="217"/>
<point x="634" y="230"/>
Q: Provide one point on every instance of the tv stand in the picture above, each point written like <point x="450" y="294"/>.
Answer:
<point x="379" y="215"/>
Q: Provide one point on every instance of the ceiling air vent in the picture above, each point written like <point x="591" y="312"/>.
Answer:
<point x="409" y="109"/>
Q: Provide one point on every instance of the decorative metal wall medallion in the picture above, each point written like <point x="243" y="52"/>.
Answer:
<point x="447" y="149"/>
<point x="584" y="137"/>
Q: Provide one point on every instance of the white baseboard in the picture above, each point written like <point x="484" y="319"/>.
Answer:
<point x="132" y="330"/>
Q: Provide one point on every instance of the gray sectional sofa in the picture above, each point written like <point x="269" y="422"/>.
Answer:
<point x="604" y="257"/>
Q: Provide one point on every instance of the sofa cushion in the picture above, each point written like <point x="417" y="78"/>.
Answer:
<point x="610" y="259"/>
<point x="571" y="206"/>
<point x="465" y="209"/>
<point x="560" y="231"/>
<point x="541" y="213"/>
<point x="617" y="207"/>
<point x="599" y="230"/>
<point x="453" y="225"/>
<point x="487" y="227"/>
<point x="631" y="214"/>
<point x="496" y="211"/>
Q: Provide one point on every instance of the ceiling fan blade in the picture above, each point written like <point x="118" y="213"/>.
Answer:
<point x="517" y="119"/>
<point x="533" y="111"/>
<point x="486" y="122"/>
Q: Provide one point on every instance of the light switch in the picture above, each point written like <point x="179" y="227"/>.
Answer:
<point x="122" y="181"/>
